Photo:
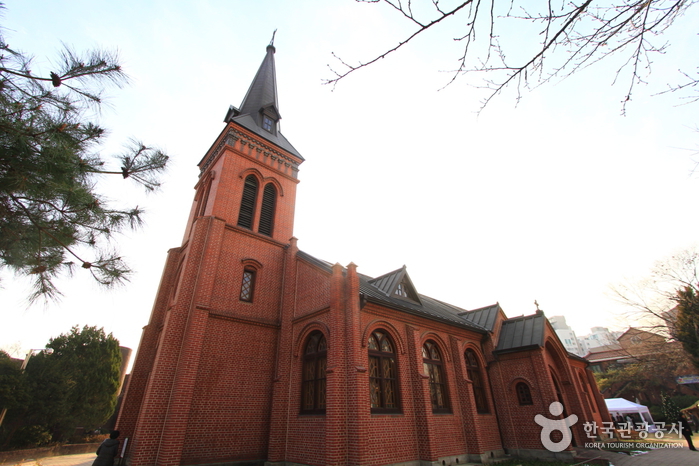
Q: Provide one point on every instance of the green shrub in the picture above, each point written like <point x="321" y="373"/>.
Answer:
<point x="31" y="437"/>
<point x="684" y="401"/>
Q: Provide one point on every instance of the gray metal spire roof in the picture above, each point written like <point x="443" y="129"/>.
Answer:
<point x="260" y="103"/>
<point x="263" y="90"/>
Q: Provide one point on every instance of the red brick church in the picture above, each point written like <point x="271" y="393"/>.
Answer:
<point x="258" y="353"/>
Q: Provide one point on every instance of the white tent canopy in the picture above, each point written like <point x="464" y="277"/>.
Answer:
<point x="637" y="412"/>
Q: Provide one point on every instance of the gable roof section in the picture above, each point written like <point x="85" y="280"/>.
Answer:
<point x="606" y="353"/>
<point x="484" y="316"/>
<point x="397" y="284"/>
<point x="425" y="306"/>
<point x="521" y="333"/>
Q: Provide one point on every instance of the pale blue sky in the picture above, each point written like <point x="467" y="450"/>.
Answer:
<point x="552" y="199"/>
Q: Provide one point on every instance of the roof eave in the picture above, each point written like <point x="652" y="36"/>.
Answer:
<point x="517" y="349"/>
<point x="407" y="310"/>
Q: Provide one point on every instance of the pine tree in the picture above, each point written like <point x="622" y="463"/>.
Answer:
<point x="74" y="385"/>
<point x="670" y="409"/>
<point x="51" y="215"/>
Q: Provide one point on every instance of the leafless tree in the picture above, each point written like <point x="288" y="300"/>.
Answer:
<point x="567" y="36"/>
<point x="652" y="300"/>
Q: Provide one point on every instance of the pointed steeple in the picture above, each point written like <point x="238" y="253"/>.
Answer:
<point x="261" y="98"/>
<point x="259" y="111"/>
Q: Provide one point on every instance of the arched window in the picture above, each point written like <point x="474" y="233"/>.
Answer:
<point x="269" y="200"/>
<point x="559" y="394"/>
<point x="247" y="204"/>
<point x="383" y="375"/>
<point x="433" y="367"/>
<point x="247" y="288"/>
<point x="473" y="371"/>
<point x="315" y="361"/>
<point x="524" y="395"/>
<point x="583" y="385"/>
<point x="203" y="197"/>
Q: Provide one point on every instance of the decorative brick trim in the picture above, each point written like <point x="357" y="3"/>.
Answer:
<point x="395" y="334"/>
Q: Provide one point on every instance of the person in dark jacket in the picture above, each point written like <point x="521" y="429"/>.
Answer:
<point x="687" y="431"/>
<point x="108" y="450"/>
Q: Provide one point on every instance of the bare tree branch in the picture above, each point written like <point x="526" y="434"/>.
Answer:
<point x="574" y="35"/>
<point x="423" y="28"/>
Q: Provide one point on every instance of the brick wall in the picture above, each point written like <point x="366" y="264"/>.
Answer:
<point x="217" y="379"/>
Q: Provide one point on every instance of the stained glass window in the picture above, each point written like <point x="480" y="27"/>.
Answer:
<point x="473" y="371"/>
<point x="432" y="366"/>
<point x="248" y="285"/>
<point x="524" y="395"/>
<point x="383" y="374"/>
<point x="315" y="362"/>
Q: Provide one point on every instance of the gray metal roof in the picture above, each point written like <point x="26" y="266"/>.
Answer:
<point x="263" y="90"/>
<point x="324" y="265"/>
<point x="427" y="307"/>
<point x="516" y="334"/>
<point x="485" y="316"/>
<point x="262" y="98"/>
<point x="390" y="282"/>
<point x="522" y="332"/>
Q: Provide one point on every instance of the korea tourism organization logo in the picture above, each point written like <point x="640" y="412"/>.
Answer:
<point x="621" y="431"/>
<point x="549" y="426"/>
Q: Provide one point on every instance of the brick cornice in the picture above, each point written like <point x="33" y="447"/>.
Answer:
<point x="271" y="157"/>
<point x="226" y="315"/>
<point x="258" y="236"/>
<point x="312" y="315"/>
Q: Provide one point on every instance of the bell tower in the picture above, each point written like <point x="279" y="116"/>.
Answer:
<point x="213" y="330"/>
<point x="248" y="176"/>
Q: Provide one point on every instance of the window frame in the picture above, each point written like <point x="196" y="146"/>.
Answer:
<point x="524" y="397"/>
<point x="584" y="387"/>
<point x="252" y="272"/>
<point x="317" y="360"/>
<point x="248" y="202"/>
<point x="434" y="369"/>
<point x="475" y="375"/>
<point x="268" y="210"/>
<point x="384" y="382"/>
<point x="268" y="121"/>
<point x="203" y="198"/>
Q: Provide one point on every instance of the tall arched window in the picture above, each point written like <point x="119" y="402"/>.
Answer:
<point x="433" y="367"/>
<point x="269" y="201"/>
<point x="473" y="371"/>
<point x="383" y="375"/>
<point x="247" y="204"/>
<point x="559" y="394"/>
<point x="524" y="394"/>
<point x="203" y="197"/>
<point x="315" y="361"/>
<point x="583" y="385"/>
